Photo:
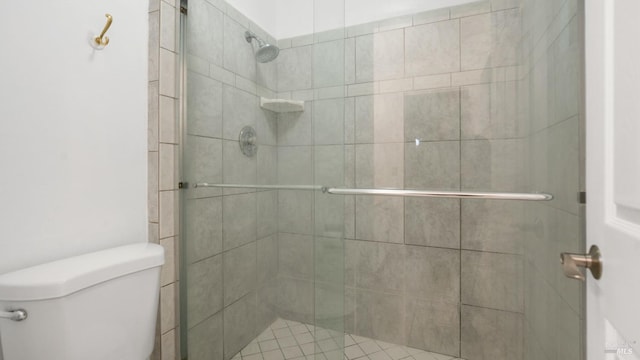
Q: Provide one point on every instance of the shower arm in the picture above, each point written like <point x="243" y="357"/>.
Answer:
<point x="249" y="35"/>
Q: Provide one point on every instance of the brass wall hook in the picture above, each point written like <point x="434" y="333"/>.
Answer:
<point x="102" y="40"/>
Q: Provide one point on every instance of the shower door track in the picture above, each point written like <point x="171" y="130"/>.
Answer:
<point x="487" y="195"/>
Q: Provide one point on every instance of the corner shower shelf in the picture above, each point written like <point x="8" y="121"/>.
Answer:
<point x="281" y="105"/>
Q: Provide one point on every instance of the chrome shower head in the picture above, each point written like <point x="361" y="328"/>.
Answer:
<point x="266" y="52"/>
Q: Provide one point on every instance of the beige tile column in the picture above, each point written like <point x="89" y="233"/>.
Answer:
<point x="163" y="138"/>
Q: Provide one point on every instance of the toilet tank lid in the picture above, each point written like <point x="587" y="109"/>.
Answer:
<point x="63" y="277"/>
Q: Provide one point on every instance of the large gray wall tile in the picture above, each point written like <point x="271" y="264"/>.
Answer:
<point x="205" y="106"/>
<point x="380" y="218"/>
<point x="433" y="48"/>
<point x="329" y="165"/>
<point x="240" y="265"/>
<point x="489" y="111"/>
<point x="493" y="226"/>
<point x="433" y="115"/>
<point x="295" y="165"/>
<point x="329" y="260"/>
<point x="239" y="110"/>
<point x="491" y="334"/>
<point x="295" y="128"/>
<point x="379" y="118"/>
<point x="495" y="165"/>
<point x="380" y="316"/>
<point x="203" y="228"/>
<point x="566" y="71"/>
<point x="490" y="40"/>
<point x="239" y="223"/>
<point x="267" y="249"/>
<point x="380" y="56"/>
<point x="267" y="75"/>
<point x="238" y="53"/>
<point x="267" y="310"/>
<point x="432" y="222"/>
<point x="329" y="215"/>
<point x="329" y="313"/>
<point x="295" y="68"/>
<point x="267" y="168"/>
<point x="379" y="165"/>
<point x="328" y="121"/>
<point x="377" y="266"/>
<point x="267" y="127"/>
<point x="267" y="213"/>
<point x="328" y="63"/>
<point x="493" y="280"/>
<point x="205" y="32"/>
<point x="432" y="165"/>
<point x="295" y="209"/>
<point x="432" y="273"/>
<point x="295" y="256"/>
<point x="205" y="339"/>
<point x="239" y="324"/>
<point x="296" y="300"/>
<point x="203" y="164"/>
<point x="204" y="294"/>
<point x="433" y="325"/>
<point x="563" y="173"/>
<point x="237" y="168"/>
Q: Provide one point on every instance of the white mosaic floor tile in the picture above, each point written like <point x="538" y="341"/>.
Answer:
<point x="380" y="355"/>
<point x="304" y="338"/>
<point x="269" y="345"/>
<point x="353" y="352"/>
<point x="369" y="347"/>
<point x="287" y="342"/>
<point x="273" y="355"/>
<point x="397" y="352"/>
<point x="292" y="340"/>
<point x="257" y="356"/>
<point x="292" y="352"/>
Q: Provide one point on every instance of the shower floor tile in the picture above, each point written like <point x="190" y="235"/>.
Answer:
<point x="291" y="340"/>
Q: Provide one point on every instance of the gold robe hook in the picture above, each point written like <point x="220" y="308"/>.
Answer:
<point x="102" y="40"/>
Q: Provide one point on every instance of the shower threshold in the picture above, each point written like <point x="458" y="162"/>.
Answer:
<point x="291" y="340"/>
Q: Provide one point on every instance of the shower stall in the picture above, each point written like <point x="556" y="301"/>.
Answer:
<point x="381" y="180"/>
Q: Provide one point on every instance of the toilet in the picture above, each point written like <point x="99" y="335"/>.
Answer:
<point x="97" y="306"/>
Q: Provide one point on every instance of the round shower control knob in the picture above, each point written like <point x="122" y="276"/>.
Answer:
<point x="247" y="140"/>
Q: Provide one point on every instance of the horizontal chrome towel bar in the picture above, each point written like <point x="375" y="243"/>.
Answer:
<point x="443" y="194"/>
<point x="15" y="315"/>
<point x="265" y="187"/>
<point x="394" y="192"/>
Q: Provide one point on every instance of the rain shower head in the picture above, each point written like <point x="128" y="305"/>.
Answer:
<point x="266" y="52"/>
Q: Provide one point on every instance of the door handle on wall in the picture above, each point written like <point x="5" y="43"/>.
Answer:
<point x="571" y="264"/>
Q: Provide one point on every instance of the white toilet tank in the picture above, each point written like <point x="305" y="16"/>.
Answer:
<point x="98" y="306"/>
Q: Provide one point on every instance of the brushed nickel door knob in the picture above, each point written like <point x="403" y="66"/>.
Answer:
<point x="572" y="264"/>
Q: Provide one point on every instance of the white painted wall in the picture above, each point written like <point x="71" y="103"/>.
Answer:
<point x="261" y="12"/>
<point x="364" y="11"/>
<point x="289" y="18"/>
<point x="73" y="129"/>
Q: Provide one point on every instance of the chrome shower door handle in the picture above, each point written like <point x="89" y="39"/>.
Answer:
<point x="15" y="315"/>
<point x="571" y="264"/>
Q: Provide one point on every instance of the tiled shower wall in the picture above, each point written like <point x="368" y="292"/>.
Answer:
<point x="163" y="186"/>
<point x="231" y="251"/>
<point x="431" y="101"/>
<point x="554" y="305"/>
<point x="457" y="70"/>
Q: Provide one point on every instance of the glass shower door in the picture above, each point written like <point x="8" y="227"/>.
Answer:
<point x="262" y="245"/>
